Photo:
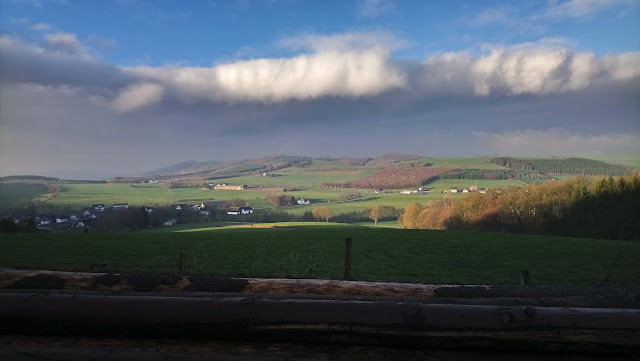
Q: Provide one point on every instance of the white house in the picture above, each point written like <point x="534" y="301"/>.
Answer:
<point x="240" y="210"/>
<point x="303" y="201"/>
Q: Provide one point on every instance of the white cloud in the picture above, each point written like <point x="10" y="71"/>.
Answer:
<point x="41" y="27"/>
<point x="526" y="69"/>
<point x="64" y="43"/>
<point x="138" y="96"/>
<point x="558" y="142"/>
<point x="580" y="8"/>
<point x="343" y="41"/>
<point x="348" y="73"/>
<point x="375" y="8"/>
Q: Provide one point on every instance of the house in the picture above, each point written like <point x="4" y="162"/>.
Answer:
<point x="98" y="207"/>
<point x="466" y="190"/>
<point x="228" y="187"/>
<point x="62" y="219"/>
<point x="119" y="206"/>
<point x="240" y="210"/>
<point x="453" y="190"/>
<point x="379" y="190"/>
<point x="302" y="201"/>
<point x="473" y="188"/>
<point x="405" y="192"/>
<point x="153" y="181"/>
<point x="482" y="190"/>
<point x="179" y="207"/>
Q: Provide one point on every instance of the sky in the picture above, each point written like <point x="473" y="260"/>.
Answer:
<point x="92" y="89"/>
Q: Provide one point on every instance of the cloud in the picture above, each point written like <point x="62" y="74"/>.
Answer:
<point x="343" y="41"/>
<point x="352" y="73"/>
<point x="375" y="8"/>
<point x="41" y="27"/>
<point x="64" y="43"/>
<point x="538" y="69"/>
<point x="580" y="8"/>
<point x="138" y="96"/>
<point x="351" y="66"/>
<point x="556" y="141"/>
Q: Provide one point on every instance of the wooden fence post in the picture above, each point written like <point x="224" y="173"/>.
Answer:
<point x="347" y="259"/>
<point x="524" y="278"/>
<point x="181" y="263"/>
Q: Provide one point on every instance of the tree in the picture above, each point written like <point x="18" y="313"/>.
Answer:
<point x="375" y="214"/>
<point x="237" y="202"/>
<point x="7" y="225"/>
<point x="322" y="212"/>
<point x="280" y="200"/>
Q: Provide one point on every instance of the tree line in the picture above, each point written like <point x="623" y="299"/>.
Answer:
<point x="563" y="166"/>
<point x="526" y="176"/>
<point x="606" y="208"/>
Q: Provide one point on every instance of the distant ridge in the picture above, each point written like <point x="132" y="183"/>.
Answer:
<point x="187" y="167"/>
<point x="393" y="157"/>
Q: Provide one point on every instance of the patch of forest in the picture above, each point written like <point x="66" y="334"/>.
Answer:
<point x="28" y="178"/>
<point x="526" y="176"/>
<point x="563" y="166"/>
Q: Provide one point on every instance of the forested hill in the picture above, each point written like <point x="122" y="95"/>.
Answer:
<point x="28" y="178"/>
<point x="564" y="166"/>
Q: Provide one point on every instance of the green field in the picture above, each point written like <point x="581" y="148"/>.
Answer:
<point x="18" y="195"/>
<point x="78" y="195"/>
<point x="379" y="253"/>
<point x="632" y="160"/>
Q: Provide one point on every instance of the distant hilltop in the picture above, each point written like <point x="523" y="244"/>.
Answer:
<point x="220" y="169"/>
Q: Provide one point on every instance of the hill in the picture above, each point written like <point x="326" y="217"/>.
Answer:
<point x="190" y="166"/>
<point x="393" y="158"/>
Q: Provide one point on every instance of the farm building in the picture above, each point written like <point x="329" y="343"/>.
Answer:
<point x="228" y="187"/>
<point x="240" y="210"/>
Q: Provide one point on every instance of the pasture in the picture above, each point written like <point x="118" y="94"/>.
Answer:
<point x="317" y="251"/>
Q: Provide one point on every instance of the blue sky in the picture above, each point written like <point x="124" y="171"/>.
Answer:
<point x="117" y="78"/>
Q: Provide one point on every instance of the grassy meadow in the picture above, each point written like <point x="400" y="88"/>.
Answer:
<point x="317" y="251"/>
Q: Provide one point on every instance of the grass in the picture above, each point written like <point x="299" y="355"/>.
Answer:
<point x="18" y="195"/>
<point x="76" y="195"/>
<point x="381" y="254"/>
